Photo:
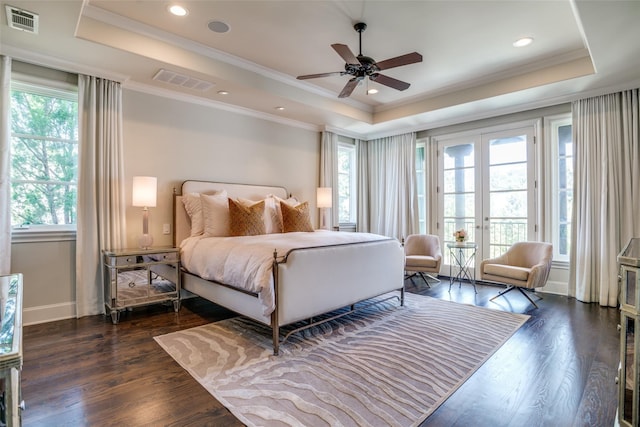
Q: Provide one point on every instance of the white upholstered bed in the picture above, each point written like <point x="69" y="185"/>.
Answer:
<point x="306" y="281"/>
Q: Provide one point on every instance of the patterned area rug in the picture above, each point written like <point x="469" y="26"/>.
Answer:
<point x="384" y="366"/>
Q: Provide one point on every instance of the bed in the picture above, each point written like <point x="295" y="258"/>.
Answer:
<point x="321" y="272"/>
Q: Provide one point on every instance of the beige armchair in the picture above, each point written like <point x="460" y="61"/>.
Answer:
<point x="525" y="265"/>
<point x="422" y="256"/>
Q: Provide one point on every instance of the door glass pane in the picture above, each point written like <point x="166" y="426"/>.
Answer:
<point x="508" y="204"/>
<point x="508" y="210"/>
<point x="509" y="177"/>
<point x="459" y="192"/>
<point x="458" y="156"/>
<point x="459" y="180"/>
<point x="512" y="149"/>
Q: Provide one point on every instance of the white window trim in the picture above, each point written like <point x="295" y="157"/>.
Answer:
<point x="43" y="233"/>
<point x="352" y="180"/>
<point x="62" y="90"/>
<point x="551" y="125"/>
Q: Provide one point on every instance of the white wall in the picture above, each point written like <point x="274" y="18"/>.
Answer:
<point x="174" y="141"/>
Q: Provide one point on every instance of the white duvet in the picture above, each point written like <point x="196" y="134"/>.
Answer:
<point x="246" y="262"/>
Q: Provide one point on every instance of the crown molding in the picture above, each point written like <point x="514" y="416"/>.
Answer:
<point x="191" y="99"/>
<point x="145" y="30"/>
<point x="59" y="64"/>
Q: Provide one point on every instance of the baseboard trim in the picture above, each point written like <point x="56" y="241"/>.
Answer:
<point x="557" y="288"/>
<point x="48" y="313"/>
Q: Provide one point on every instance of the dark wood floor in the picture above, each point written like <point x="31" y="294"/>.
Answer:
<point x="557" y="370"/>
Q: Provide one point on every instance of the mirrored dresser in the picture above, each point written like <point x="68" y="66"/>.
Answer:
<point x="11" y="349"/>
<point x="629" y="371"/>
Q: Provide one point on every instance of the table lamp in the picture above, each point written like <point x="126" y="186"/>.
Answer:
<point x="324" y="202"/>
<point x="144" y="196"/>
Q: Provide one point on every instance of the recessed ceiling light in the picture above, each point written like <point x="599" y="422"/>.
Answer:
<point x="218" y="26"/>
<point x="280" y="108"/>
<point x="178" y="10"/>
<point x="522" y="42"/>
<point x="223" y="92"/>
<point x="372" y="91"/>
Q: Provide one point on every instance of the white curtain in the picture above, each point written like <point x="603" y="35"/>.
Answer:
<point x="5" y="171"/>
<point x="101" y="207"/>
<point x="390" y="181"/>
<point x="606" y="192"/>
<point x="431" y="184"/>
<point x="329" y="176"/>
<point x="362" y="184"/>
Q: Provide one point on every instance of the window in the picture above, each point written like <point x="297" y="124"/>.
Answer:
<point x="346" y="183"/>
<point x="561" y="140"/>
<point x="421" y="182"/>
<point x="44" y="156"/>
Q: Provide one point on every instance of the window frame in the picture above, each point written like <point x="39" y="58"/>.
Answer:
<point x="351" y="149"/>
<point x="61" y="90"/>
<point x="421" y="174"/>
<point x="551" y="125"/>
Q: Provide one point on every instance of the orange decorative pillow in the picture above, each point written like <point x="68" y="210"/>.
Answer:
<point x="295" y="218"/>
<point x="246" y="220"/>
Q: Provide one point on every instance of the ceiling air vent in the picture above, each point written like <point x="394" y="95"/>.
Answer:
<point x="182" y="80"/>
<point x="21" y="19"/>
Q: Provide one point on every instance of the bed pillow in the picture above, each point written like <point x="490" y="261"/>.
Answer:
<point x="246" y="220"/>
<point x="193" y="206"/>
<point x="277" y="219"/>
<point x="295" y="218"/>
<point x="272" y="222"/>
<point x="215" y="214"/>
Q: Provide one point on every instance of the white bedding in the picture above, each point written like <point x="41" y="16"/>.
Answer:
<point x="246" y="262"/>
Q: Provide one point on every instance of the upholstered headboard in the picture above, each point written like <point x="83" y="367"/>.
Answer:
<point x="181" y="225"/>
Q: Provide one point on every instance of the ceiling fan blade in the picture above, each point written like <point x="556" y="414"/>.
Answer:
<point x="349" y="87"/>
<point x="346" y="54"/>
<point x="389" y="81"/>
<point x="314" y="76"/>
<point x="409" y="58"/>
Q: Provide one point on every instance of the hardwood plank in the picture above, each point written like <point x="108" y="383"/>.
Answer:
<point x="558" y="369"/>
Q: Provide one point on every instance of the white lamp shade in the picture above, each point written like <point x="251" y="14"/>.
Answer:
<point x="144" y="191"/>
<point x="324" y="197"/>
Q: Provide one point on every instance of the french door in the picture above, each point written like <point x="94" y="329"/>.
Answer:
<point x="487" y="186"/>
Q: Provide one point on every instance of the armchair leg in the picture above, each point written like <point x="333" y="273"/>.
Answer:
<point x="432" y="277"/>
<point x="422" y="275"/>
<point x="510" y="288"/>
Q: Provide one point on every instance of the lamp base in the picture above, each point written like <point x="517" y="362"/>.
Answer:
<point x="145" y="241"/>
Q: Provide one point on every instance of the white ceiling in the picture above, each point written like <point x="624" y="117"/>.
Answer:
<point x="470" y="68"/>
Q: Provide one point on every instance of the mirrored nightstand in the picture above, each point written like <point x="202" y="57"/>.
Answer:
<point x="136" y="277"/>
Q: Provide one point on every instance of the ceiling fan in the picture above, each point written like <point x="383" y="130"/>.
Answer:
<point x="363" y="66"/>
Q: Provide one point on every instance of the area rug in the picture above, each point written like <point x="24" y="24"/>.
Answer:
<point x="384" y="366"/>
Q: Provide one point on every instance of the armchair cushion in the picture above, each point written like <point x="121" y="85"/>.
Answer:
<point x="507" y="271"/>
<point x="421" y="261"/>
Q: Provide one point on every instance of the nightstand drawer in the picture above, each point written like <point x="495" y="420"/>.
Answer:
<point x="163" y="256"/>
<point x="121" y="261"/>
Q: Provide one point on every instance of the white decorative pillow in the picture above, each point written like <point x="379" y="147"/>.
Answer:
<point x="193" y="206"/>
<point x="272" y="221"/>
<point x="215" y="212"/>
<point x="291" y="201"/>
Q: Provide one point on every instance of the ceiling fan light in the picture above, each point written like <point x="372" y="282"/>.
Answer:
<point x="372" y="91"/>
<point x="522" y="42"/>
